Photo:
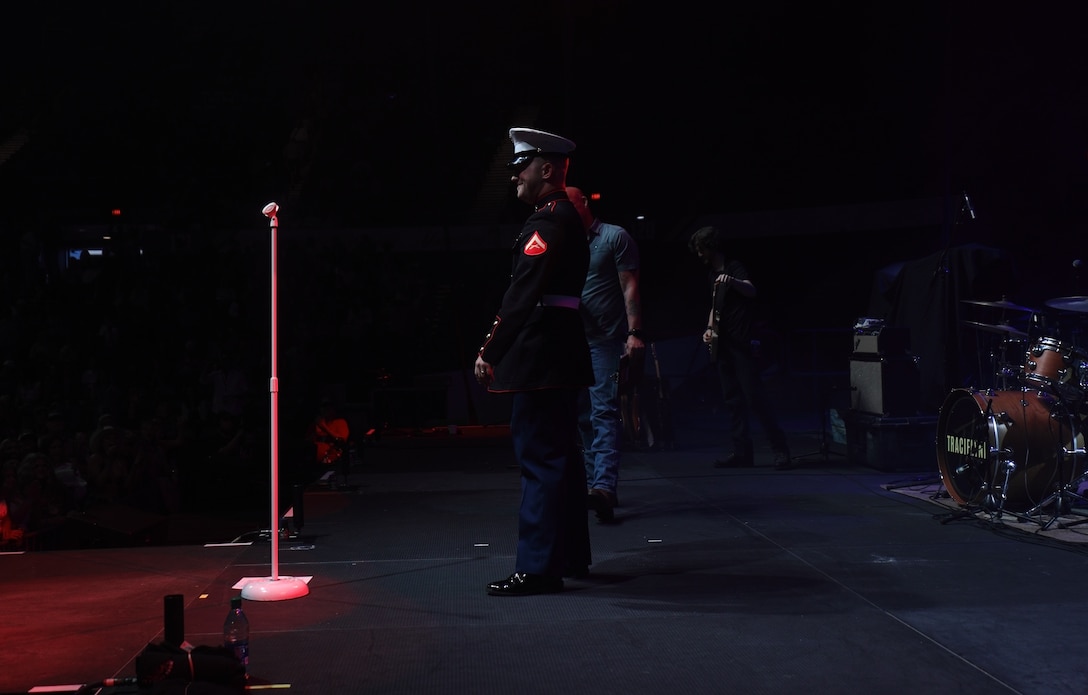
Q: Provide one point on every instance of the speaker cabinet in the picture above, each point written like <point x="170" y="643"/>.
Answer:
<point x="884" y="386"/>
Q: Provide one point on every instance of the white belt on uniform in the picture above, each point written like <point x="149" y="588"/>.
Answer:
<point x="560" y="300"/>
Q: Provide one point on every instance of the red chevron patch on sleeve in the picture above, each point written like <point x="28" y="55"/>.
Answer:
<point x="535" y="246"/>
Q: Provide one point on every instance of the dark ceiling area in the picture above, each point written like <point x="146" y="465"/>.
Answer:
<point x="392" y="115"/>
<point x="396" y="116"/>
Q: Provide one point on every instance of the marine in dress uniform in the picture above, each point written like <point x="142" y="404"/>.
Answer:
<point x="537" y="351"/>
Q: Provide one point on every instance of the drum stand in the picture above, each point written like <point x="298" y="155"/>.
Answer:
<point x="1062" y="498"/>
<point x="996" y="506"/>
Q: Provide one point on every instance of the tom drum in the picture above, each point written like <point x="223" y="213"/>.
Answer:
<point x="1056" y="368"/>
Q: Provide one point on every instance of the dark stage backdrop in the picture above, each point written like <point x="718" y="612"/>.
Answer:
<point x="926" y="298"/>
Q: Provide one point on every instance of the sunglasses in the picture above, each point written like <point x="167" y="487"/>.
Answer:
<point x="521" y="163"/>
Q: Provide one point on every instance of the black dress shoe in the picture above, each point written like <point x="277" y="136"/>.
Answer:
<point x="524" y="584"/>
<point x="576" y="572"/>
<point x="735" y="460"/>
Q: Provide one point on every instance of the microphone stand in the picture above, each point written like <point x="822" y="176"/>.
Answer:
<point x="274" y="587"/>
<point x="942" y="260"/>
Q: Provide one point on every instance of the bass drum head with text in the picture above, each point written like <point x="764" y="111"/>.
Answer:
<point x="978" y="432"/>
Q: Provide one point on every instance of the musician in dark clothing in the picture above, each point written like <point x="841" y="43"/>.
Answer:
<point x="537" y="351"/>
<point x="729" y="335"/>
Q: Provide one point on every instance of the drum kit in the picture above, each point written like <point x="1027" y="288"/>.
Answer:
<point x="1017" y="446"/>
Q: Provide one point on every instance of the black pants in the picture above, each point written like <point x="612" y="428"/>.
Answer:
<point x="745" y="397"/>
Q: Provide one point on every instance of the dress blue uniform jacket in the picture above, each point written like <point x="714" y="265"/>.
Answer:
<point x="533" y="346"/>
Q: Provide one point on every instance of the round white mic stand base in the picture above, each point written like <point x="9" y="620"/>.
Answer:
<point x="274" y="589"/>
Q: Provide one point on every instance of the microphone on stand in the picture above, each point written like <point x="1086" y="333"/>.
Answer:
<point x="967" y="205"/>
<point x="1076" y="277"/>
<point x="271" y="209"/>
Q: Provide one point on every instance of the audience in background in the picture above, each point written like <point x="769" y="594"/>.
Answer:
<point x="127" y="379"/>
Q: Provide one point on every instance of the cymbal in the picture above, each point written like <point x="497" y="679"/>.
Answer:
<point x="1069" y="303"/>
<point x="1001" y="329"/>
<point x="1002" y="304"/>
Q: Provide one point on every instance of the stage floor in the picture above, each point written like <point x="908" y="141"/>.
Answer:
<point x="822" y="579"/>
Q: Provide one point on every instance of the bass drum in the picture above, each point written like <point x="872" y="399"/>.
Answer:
<point x="978" y="433"/>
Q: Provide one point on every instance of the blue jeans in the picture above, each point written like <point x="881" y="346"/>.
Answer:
<point x="599" y="418"/>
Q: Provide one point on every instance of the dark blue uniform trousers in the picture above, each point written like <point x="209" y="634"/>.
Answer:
<point x="553" y="526"/>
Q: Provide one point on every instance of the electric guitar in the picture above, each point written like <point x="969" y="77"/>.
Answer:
<point x="717" y="316"/>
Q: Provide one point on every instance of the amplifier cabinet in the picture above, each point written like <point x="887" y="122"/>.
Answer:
<point x="887" y="341"/>
<point x="885" y="386"/>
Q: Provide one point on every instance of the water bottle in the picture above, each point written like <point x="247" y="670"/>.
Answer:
<point x="236" y="632"/>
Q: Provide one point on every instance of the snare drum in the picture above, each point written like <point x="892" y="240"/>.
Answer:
<point x="979" y="434"/>
<point x="1056" y="368"/>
